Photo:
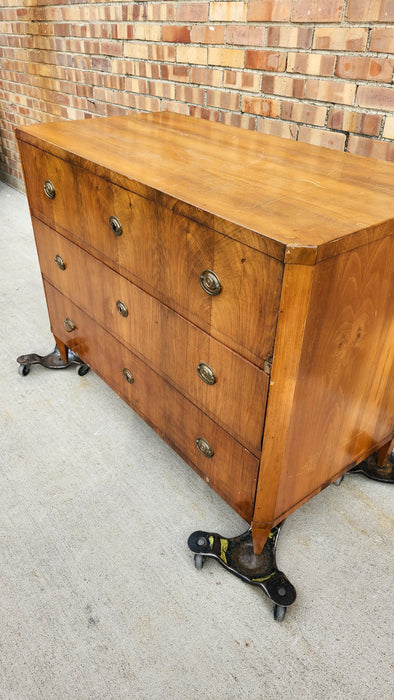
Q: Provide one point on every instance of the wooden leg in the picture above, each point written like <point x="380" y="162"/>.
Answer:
<point x="63" y="349"/>
<point x="260" y="535"/>
<point x="384" y="453"/>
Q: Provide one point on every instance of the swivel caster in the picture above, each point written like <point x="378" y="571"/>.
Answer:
<point x="279" y="613"/>
<point x="198" y="561"/>
<point x="23" y="370"/>
<point x="81" y="370"/>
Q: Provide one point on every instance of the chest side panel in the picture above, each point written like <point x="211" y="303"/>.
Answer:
<point x="344" y="397"/>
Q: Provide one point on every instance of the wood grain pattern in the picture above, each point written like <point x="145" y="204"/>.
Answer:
<point x="302" y="240"/>
<point x="337" y="406"/>
<point x="158" y="335"/>
<point x="232" y="471"/>
<point x="283" y="193"/>
<point x="164" y="253"/>
<point x="343" y="403"/>
<point x="292" y="317"/>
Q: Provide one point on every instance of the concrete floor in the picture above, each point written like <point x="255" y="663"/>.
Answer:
<point x="99" y="596"/>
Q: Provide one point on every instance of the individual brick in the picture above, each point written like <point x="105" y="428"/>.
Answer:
<point x="115" y="82"/>
<point x="196" y="55"/>
<point x="260" y="106"/>
<point x="291" y="37"/>
<point x="281" y="85"/>
<point x="206" y="76"/>
<point x="375" y="97"/>
<point x="372" y="148"/>
<point x="138" y="85"/>
<point x="227" y="11"/>
<point x="147" y="32"/>
<point x="223" y="100"/>
<point x="322" y="137"/>
<point x="269" y="10"/>
<point x="208" y="35"/>
<point x="357" y="122"/>
<point x="388" y="131"/>
<point x="136" y="49"/>
<point x="204" y="113"/>
<point x="233" y="58"/>
<point x="240" y="80"/>
<point x="317" y="10"/>
<point x="147" y="70"/>
<point x="365" y="68"/>
<point x="370" y="11"/>
<point x="340" y="38"/>
<point x="147" y="104"/>
<point x="304" y="113"/>
<point x="274" y="127"/>
<point x="192" y="11"/>
<point x="242" y="121"/>
<point x="179" y="108"/>
<point x="245" y="35"/>
<point x="330" y="91"/>
<point x="382" y="40"/>
<point x="158" y="89"/>
<point x="155" y="11"/>
<point x="187" y="93"/>
<point x="176" y="34"/>
<point x="174" y="72"/>
<point x="161" y="52"/>
<point x="265" y="60"/>
<point x="311" y="63"/>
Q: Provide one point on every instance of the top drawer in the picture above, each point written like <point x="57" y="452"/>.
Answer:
<point x="165" y="253"/>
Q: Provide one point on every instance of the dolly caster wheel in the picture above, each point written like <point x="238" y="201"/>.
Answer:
<point x="236" y="554"/>
<point x="81" y="370"/>
<point x="23" y="370"/>
<point x="279" y="612"/>
<point x="338" y="482"/>
<point x="198" y="561"/>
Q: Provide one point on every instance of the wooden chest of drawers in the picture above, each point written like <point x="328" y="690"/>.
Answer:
<point x="235" y="289"/>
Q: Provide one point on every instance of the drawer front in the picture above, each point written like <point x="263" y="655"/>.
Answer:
<point x="163" y="252"/>
<point x="231" y="470"/>
<point x="175" y="348"/>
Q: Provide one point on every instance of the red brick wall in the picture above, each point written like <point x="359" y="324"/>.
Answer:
<point x="314" y="70"/>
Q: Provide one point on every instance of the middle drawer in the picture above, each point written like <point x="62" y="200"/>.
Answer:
<point x="228" y="388"/>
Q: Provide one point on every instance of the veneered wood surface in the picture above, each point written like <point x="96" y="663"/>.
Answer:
<point x="292" y="316"/>
<point x="163" y="252"/>
<point x="232" y="470"/>
<point x="162" y="338"/>
<point x="341" y="403"/>
<point x="272" y="193"/>
<point x="202" y="189"/>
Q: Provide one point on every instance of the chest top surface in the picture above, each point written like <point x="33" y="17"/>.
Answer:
<point x="308" y="202"/>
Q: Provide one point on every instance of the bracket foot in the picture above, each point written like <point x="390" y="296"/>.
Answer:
<point x="51" y="361"/>
<point x="237" y="556"/>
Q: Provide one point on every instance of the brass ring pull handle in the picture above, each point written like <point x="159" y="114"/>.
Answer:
<point x="128" y="375"/>
<point x="49" y="189"/>
<point x="115" y="225"/>
<point x="69" y="325"/>
<point x="60" y="262"/>
<point x="122" y="308"/>
<point x="210" y="283"/>
<point x="204" y="447"/>
<point x="206" y="373"/>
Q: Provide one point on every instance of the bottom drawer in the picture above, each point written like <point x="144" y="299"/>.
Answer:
<point x="231" y="470"/>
